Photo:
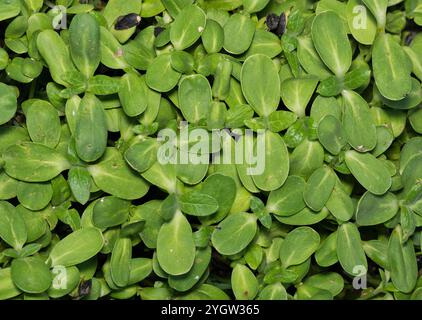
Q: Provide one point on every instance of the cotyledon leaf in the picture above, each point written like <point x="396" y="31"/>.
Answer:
<point x="8" y="103"/>
<point x="175" y="245"/>
<point x="372" y="209"/>
<point x="13" y="230"/>
<point x="7" y="289"/>
<point x="91" y="129"/>
<point x="402" y="261"/>
<point x="391" y="68"/>
<point x="244" y="283"/>
<point x="306" y="157"/>
<point x="298" y="246"/>
<point x="160" y="75"/>
<point x="10" y="9"/>
<point x="379" y="10"/>
<point x="188" y="280"/>
<point x="261" y="84"/>
<point x="358" y="122"/>
<point x="309" y="58"/>
<point x="198" y="204"/>
<point x="55" y="52"/>
<point x="79" y="181"/>
<point x="187" y="27"/>
<point x="271" y="173"/>
<point x="318" y="188"/>
<point x="369" y="171"/>
<point x="331" y="42"/>
<point x="77" y="247"/>
<point x="33" y="162"/>
<point x="133" y="94"/>
<point x="349" y="249"/>
<point x="115" y="177"/>
<point x="120" y="261"/>
<point x="194" y="97"/>
<point x="239" y="30"/>
<point x="31" y="274"/>
<point x="85" y="46"/>
<point x="288" y="199"/>
<point x="331" y="134"/>
<point x="43" y="124"/>
<point x="361" y="21"/>
<point x="234" y="233"/>
<point x="296" y="93"/>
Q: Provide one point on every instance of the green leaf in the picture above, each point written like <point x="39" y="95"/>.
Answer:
<point x="330" y="281"/>
<point x="91" y="129"/>
<point x="187" y="281"/>
<point x="326" y="255"/>
<point x="33" y="162"/>
<point x="56" y="54"/>
<point x="309" y="58"/>
<point x="34" y="196"/>
<point x="9" y="9"/>
<point x="223" y="189"/>
<point x="318" y="188"/>
<point x="238" y="33"/>
<point x="187" y="27"/>
<point x="31" y="275"/>
<point x="362" y="23"/>
<point x="306" y="157"/>
<point x="109" y="212"/>
<point x="402" y="261"/>
<point x="298" y="246"/>
<point x="274" y="291"/>
<point x="331" y="42"/>
<point x="261" y="84"/>
<point x="79" y="181"/>
<point x="77" y="247"/>
<point x="115" y="177"/>
<point x="194" y="97"/>
<point x="85" y="46"/>
<point x="281" y="120"/>
<point x="244" y="283"/>
<point x="340" y="204"/>
<point x="379" y="10"/>
<point x="8" y="103"/>
<point x="391" y="67"/>
<point x="376" y="250"/>
<point x="276" y="166"/>
<point x="142" y="155"/>
<point x="212" y="36"/>
<point x="297" y="92"/>
<point x="175" y="245"/>
<point x="43" y="123"/>
<point x="369" y="171"/>
<point x="358" y="123"/>
<point x="198" y="204"/>
<point x="64" y="281"/>
<point x="160" y="75"/>
<point x="7" y="289"/>
<point x="120" y="262"/>
<point x="331" y="134"/>
<point x="12" y="226"/>
<point x="234" y="233"/>
<point x="264" y="42"/>
<point x="288" y="199"/>
<point x="373" y="209"/>
<point x="349" y="249"/>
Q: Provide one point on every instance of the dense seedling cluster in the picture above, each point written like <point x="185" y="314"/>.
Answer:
<point x="113" y="184"/>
